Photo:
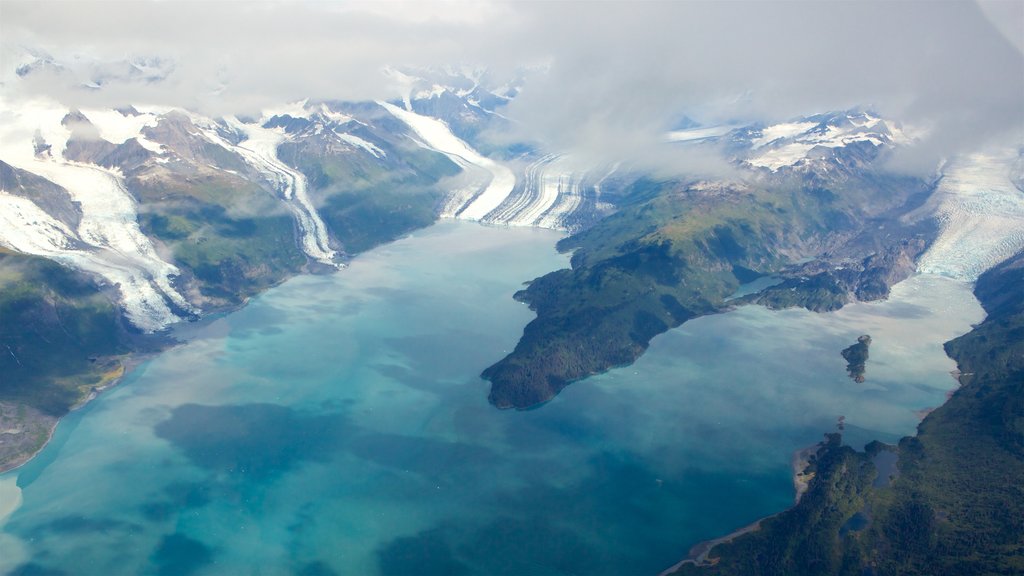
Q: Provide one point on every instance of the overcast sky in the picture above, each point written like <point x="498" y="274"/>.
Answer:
<point x="616" y="74"/>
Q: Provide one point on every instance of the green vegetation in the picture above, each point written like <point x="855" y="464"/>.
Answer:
<point x="956" y="506"/>
<point x="367" y="203"/>
<point x="841" y="477"/>
<point x="671" y="253"/>
<point x="225" y="232"/>
<point x="57" y="335"/>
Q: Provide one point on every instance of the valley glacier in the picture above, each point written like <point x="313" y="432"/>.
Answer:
<point x="980" y="213"/>
<point x="108" y="242"/>
<point x="549" y="191"/>
<point x="437" y="136"/>
<point x="259" y="148"/>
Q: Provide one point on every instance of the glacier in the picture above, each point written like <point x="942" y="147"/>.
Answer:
<point x="551" y="190"/>
<point x="437" y="136"/>
<point x="259" y="149"/>
<point x="980" y="213"/>
<point x="108" y="242"/>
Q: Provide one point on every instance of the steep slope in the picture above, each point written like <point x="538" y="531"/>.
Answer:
<point x="452" y="111"/>
<point x="60" y="340"/>
<point x="107" y="241"/>
<point x="677" y="249"/>
<point x="956" y="503"/>
<point x="370" y="181"/>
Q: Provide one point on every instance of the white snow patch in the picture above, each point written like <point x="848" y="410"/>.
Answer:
<point x="26" y="228"/>
<point x="293" y="109"/>
<point x="435" y="90"/>
<point x="404" y="82"/>
<point x="333" y="116"/>
<point x="782" y="156"/>
<point x="786" y="144"/>
<point x="360" y="143"/>
<point x="118" y="128"/>
<point x="784" y="130"/>
<point x="865" y="121"/>
<point x="115" y="127"/>
<point x="438" y="136"/>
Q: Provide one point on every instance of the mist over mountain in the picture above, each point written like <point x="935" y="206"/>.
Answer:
<point x="745" y="180"/>
<point x="606" y="80"/>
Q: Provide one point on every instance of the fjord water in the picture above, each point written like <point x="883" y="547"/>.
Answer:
<point x="337" y="425"/>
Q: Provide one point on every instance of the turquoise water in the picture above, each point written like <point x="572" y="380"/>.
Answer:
<point x="337" y="425"/>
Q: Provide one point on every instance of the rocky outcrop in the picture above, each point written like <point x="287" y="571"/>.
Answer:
<point x="856" y="357"/>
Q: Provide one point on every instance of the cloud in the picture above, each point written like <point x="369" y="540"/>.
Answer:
<point x="617" y="74"/>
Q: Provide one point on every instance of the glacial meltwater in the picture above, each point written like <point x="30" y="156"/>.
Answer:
<point x="337" y="425"/>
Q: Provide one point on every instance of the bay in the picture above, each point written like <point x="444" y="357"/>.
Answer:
<point x="337" y="425"/>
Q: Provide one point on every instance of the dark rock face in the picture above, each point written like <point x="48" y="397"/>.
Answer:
<point x="672" y="252"/>
<point x="856" y="357"/>
<point x="826" y="285"/>
<point x="51" y="198"/>
<point x="85" y="143"/>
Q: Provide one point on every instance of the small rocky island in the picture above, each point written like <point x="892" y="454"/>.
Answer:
<point x="856" y="357"/>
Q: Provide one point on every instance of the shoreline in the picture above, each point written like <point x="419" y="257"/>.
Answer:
<point x="128" y="363"/>
<point x="132" y="360"/>
<point x="698" y="554"/>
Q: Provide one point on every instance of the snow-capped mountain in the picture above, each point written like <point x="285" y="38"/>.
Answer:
<point x="128" y="196"/>
<point x="804" y="142"/>
<point x="91" y="73"/>
<point x="846" y="139"/>
<point x="178" y="212"/>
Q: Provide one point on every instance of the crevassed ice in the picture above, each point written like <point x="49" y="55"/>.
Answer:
<point x="980" y="213"/>
<point x="108" y="242"/>
<point x="437" y="136"/>
<point x="549" y="192"/>
<point x="259" y="149"/>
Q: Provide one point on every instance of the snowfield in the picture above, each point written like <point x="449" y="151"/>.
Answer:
<point x="787" y="144"/>
<point x="118" y="128"/>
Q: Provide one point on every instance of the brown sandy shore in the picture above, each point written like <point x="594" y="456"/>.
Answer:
<point x="698" y="555"/>
<point x="24" y="431"/>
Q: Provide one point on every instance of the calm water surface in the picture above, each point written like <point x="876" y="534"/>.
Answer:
<point x="337" y="425"/>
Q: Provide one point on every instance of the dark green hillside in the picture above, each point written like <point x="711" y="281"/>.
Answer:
<point x="957" y="503"/>
<point x="52" y="322"/>
<point x="675" y="251"/>
<point x="367" y="201"/>
<point x="60" y="339"/>
<point x="225" y="232"/>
